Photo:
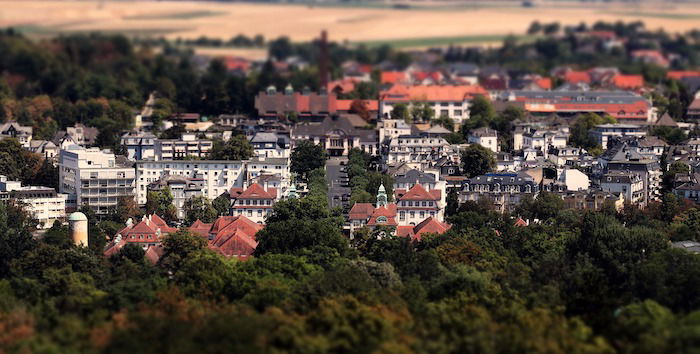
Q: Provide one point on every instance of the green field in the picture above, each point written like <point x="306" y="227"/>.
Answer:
<point x="177" y="15"/>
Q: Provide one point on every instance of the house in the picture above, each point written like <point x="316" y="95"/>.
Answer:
<point x="417" y="149"/>
<point x="693" y="112"/>
<point x="485" y="137"/>
<point x="504" y="191"/>
<point x="428" y="226"/>
<point x="146" y="233"/>
<point x="650" y="56"/>
<point x="43" y="203"/>
<point x="305" y="105"/>
<point x="337" y="134"/>
<point x="627" y="82"/>
<point x="139" y="145"/>
<point x="630" y="185"/>
<point x="446" y="100"/>
<point x="392" y="128"/>
<point x="234" y="236"/>
<point x="648" y="170"/>
<point x="181" y="188"/>
<point x="601" y="133"/>
<point x="270" y="145"/>
<point x="573" y="180"/>
<point x="254" y="202"/>
<point x="78" y="134"/>
<point x="12" y="129"/>
<point x="45" y="148"/>
<point x="417" y="203"/>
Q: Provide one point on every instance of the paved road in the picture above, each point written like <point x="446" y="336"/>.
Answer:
<point x="334" y="179"/>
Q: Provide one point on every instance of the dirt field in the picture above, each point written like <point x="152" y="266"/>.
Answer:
<point x="185" y="19"/>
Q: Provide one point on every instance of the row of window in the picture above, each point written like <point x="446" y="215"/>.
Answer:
<point x="416" y="203"/>
<point x="412" y="215"/>
<point x="253" y="202"/>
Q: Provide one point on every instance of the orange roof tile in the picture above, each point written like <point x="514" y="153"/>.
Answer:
<point x="392" y="77"/>
<point x="628" y="81"/>
<point x="344" y="105"/>
<point x="361" y="211"/>
<point x="575" y="77"/>
<point x="453" y="93"/>
<point x="677" y="75"/>
<point x="429" y="225"/>
<point x="417" y="192"/>
<point x="256" y="191"/>
<point x="388" y="211"/>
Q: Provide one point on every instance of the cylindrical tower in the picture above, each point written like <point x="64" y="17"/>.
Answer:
<point x="78" y="224"/>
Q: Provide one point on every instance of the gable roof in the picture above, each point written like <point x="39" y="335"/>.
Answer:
<point x="666" y="121"/>
<point x="429" y="225"/>
<point x="628" y="81"/>
<point x="200" y="228"/>
<point x="451" y="93"/>
<point x="417" y="192"/>
<point x="361" y="211"/>
<point x="389" y="212"/>
<point x="234" y="236"/>
<point x="256" y="191"/>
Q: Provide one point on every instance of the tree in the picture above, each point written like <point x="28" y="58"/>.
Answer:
<point x="446" y="122"/>
<point x="422" y="112"/>
<point x="161" y="203"/>
<point x="236" y="148"/>
<point x="400" y="112"/>
<point x="222" y="204"/>
<point x="178" y="247"/>
<point x="579" y="135"/>
<point x="199" y="208"/>
<point x="126" y="209"/>
<point x="452" y="203"/>
<point x="307" y="157"/>
<point x="359" y="107"/>
<point x="477" y="160"/>
<point x="677" y="167"/>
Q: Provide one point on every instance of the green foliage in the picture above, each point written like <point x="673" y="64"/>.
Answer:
<point x="400" y="112"/>
<point x="306" y="157"/>
<point x="477" y="160"/>
<point x="222" y="204"/>
<point x="579" y="135"/>
<point x="672" y="136"/>
<point x="199" y="208"/>
<point x="236" y="148"/>
<point x="161" y="203"/>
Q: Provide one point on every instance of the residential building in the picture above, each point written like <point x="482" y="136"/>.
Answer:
<point x="693" y="112"/>
<point x="417" y="149"/>
<point x="139" y="145"/>
<point x="181" y="189"/>
<point x="148" y="232"/>
<point x="42" y="203"/>
<point x="254" y="202"/>
<point x="504" y="191"/>
<point x="541" y="140"/>
<point x="189" y="145"/>
<point x="271" y="145"/>
<point x="12" y="129"/>
<point x="592" y="200"/>
<point x="392" y="128"/>
<point x="648" y="170"/>
<point x="573" y="180"/>
<point x="304" y="105"/>
<point x="485" y="137"/>
<point x="446" y="100"/>
<point x="338" y="134"/>
<point x="45" y="148"/>
<point x="93" y="177"/>
<point x="630" y="185"/>
<point x="417" y="203"/>
<point x="78" y="134"/>
<point x="601" y="133"/>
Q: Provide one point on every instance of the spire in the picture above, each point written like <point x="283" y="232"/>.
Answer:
<point x="292" y="192"/>
<point x="381" y="196"/>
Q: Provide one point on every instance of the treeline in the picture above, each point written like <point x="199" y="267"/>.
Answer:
<point x="594" y="282"/>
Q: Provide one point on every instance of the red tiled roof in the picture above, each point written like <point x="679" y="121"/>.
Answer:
<point x="432" y="93"/>
<point x="575" y="77"/>
<point x="520" y="222"/>
<point x="429" y="225"/>
<point x="417" y="192"/>
<point x="234" y="236"/>
<point x="388" y="211"/>
<point x="342" y="86"/>
<point x="628" y="81"/>
<point x="344" y="105"/>
<point x="361" y="211"/>
<point x="422" y="75"/>
<point x="392" y="77"/>
<point x="200" y="228"/>
<point x="545" y="83"/>
<point x="153" y="253"/>
<point x="256" y="191"/>
<point x="236" y="63"/>
<point x="677" y="75"/>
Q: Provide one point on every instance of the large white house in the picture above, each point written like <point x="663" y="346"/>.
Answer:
<point x="43" y="203"/>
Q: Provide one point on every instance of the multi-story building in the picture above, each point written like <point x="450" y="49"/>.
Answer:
<point x="602" y="133"/>
<point x="542" y="140"/>
<point x="190" y="145"/>
<point x="626" y="107"/>
<point x="446" y="100"/>
<point x="94" y="177"/>
<point x="417" y="203"/>
<point x="43" y="203"/>
<point x="78" y="134"/>
<point x="270" y="145"/>
<point x="337" y="134"/>
<point x="139" y="145"/>
<point x="181" y="188"/>
<point x="392" y="128"/>
<point x="217" y="176"/>
<point x="254" y="202"/>
<point x="504" y="190"/>
<point x="418" y="149"/>
<point x="45" y="148"/>
<point x="485" y="137"/>
<point x="630" y="185"/>
<point x="649" y="172"/>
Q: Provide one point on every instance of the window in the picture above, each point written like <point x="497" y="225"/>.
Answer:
<point x="402" y="215"/>
<point x="457" y="113"/>
<point x="259" y="213"/>
<point x="412" y="215"/>
<point x="250" y="213"/>
<point x="444" y="112"/>
<point x="382" y="220"/>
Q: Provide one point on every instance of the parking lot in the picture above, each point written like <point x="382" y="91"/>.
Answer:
<point x="338" y="183"/>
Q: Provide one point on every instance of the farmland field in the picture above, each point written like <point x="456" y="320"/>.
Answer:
<point x="373" y="23"/>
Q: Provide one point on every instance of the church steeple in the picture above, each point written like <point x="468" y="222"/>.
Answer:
<point x="381" y="196"/>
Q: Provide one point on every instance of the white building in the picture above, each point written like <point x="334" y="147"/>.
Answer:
<point x="270" y="145"/>
<point x="254" y="202"/>
<point x="94" y="177"/>
<point x="451" y="101"/>
<point x="540" y="139"/>
<point x="392" y="128"/>
<point x="416" y="149"/>
<point x="218" y="176"/>
<point x="188" y="145"/>
<point x="43" y="203"/>
<point x="601" y="133"/>
<point x="140" y="146"/>
<point x="630" y="185"/>
<point x="12" y="129"/>
<point x="574" y="180"/>
<point x="485" y="137"/>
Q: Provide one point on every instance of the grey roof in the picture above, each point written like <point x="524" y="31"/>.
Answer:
<point x="690" y="246"/>
<point x="339" y="124"/>
<point x="503" y="178"/>
<point x="482" y="132"/>
<point x="610" y="97"/>
<point x="415" y="176"/>
<point x="620" y="177"/>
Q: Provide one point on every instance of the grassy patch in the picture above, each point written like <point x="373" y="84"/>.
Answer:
<point x="441" y="41"/>
<point x="50" y="31"/>
<point x="177" y="15"/>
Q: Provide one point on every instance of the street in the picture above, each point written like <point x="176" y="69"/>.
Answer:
<point x="337" y="179"/>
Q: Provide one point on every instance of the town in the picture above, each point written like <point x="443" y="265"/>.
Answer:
<point x="364" y="161"/>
